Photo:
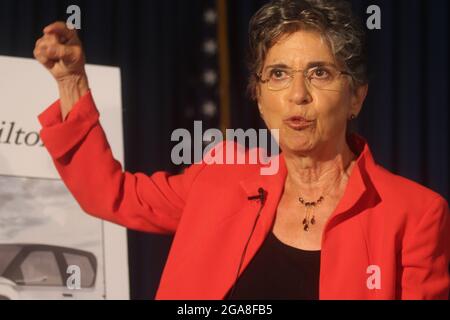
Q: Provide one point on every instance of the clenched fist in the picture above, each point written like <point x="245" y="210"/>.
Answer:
<point x="60" y="51"/>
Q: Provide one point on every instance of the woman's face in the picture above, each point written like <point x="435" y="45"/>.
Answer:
<point x="326" y="111"/>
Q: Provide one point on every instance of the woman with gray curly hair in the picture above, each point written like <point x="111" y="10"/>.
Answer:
<point x="330" y="224"/>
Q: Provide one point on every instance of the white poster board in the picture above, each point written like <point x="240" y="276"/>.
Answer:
<point x="43" y="230"/>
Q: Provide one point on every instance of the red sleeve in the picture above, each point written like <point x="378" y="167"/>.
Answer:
<point x="426" y="254"/>
<point x="83" y="158"/>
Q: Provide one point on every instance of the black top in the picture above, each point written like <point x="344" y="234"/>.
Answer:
<point x="279" y="271"/>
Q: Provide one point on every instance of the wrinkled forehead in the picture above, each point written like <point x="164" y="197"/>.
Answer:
<point x="299" y="49"/>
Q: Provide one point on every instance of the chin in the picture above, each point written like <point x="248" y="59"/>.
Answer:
<point x="297" y="146"/>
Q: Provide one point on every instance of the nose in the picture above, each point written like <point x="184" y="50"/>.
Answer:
<point x="299" y="93"/>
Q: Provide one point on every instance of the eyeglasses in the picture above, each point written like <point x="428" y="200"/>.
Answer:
<point x="324" y="77"/>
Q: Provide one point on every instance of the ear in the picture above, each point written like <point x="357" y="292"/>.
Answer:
<point x="359" y="95"/>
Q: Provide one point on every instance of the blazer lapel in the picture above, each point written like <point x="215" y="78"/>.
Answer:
<point x="273" y="186"/>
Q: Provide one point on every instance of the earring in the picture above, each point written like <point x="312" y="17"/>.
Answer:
<point x="352" y="117"/>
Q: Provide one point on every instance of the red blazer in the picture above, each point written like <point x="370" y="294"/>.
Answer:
<point x="383" y="220"/>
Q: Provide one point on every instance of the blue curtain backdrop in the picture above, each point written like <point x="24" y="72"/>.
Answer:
<point x="157" y="45"/>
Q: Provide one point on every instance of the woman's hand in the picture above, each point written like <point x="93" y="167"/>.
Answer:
<point x="60" y="51"/>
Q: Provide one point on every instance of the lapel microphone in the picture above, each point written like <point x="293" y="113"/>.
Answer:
<point x="261" y="196"/>
<point x="262" y="199"/>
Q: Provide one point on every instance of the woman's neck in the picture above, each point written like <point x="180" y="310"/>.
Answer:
<point x="320" y="172"/>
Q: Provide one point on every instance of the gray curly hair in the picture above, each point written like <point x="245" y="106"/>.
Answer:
<point x="334" y="19"/>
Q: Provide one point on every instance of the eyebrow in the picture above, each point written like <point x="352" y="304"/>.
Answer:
<point x="312" y="64"/>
